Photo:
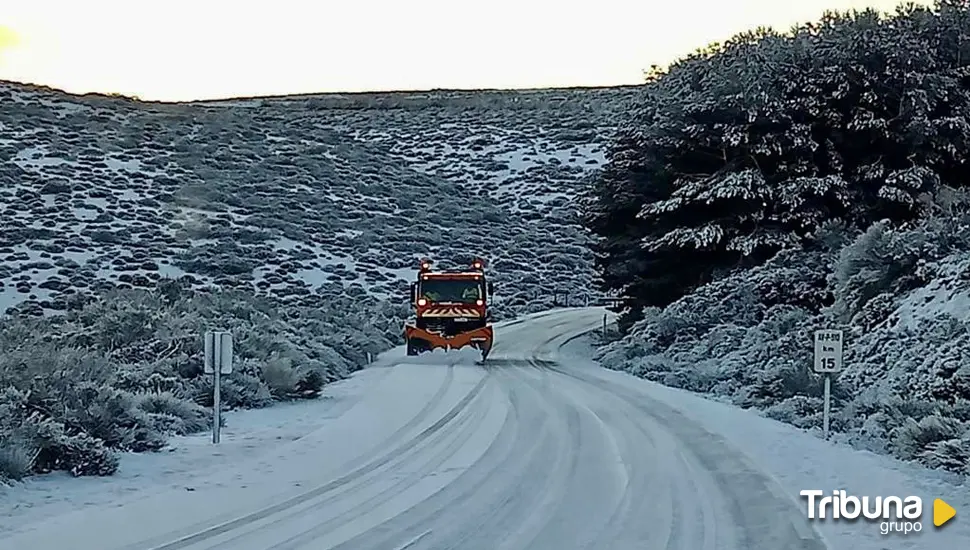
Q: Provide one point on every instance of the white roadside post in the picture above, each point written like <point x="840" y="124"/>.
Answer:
<point x="218" y="361"/>
<point x="828" y="360"/>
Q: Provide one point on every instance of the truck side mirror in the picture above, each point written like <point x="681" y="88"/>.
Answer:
<point x="491" y="287"/>
<point x="414" y="291"/>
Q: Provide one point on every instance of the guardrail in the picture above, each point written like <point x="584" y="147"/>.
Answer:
<point x="563" y="298"/>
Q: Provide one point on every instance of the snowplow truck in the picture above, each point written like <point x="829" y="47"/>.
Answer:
<point x="451" y="310"/>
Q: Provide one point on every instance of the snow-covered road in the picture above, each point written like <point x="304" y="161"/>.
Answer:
<point x="536" y="451"/>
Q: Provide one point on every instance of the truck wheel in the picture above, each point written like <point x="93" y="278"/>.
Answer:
<point x="412" y="350"/>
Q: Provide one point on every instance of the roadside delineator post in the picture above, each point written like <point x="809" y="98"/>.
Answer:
<point x="218" y="361"/>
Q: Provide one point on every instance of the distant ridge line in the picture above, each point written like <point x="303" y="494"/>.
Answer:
<point x="312" y="95"/>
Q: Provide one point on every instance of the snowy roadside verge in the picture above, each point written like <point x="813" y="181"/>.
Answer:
<point x="184" y="461"/>
<point x="800" y="460"/>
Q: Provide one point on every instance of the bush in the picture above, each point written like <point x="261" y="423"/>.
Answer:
<point x="124" y="372"/>
<point x="951" y="454"/>
<point x="906" y="388"/>
<point x="914" y="438"/>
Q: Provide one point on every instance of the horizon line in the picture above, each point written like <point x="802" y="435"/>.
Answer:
<point x="308" y="95"/>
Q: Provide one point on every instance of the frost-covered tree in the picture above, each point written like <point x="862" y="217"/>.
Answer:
<point x="745" y="148"/>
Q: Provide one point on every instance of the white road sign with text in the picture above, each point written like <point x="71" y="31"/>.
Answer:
<point x="828" y="350"/>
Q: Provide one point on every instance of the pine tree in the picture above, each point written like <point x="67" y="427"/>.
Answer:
<point x="745" y="148"/>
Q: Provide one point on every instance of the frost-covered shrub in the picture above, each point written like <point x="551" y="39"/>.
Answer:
<point x="737" y="319"/>
<point x="17" y="458"/>
<point x="227" y="258"/>
<point x="280" y="376"/>
<point x="884" y="262"/>
<point x="799" y="410"/>
<point x="124" y="372"/>
<point x="899" y="293"/>
<point x="62" y="448"/>
<point x="688" y="379"/>
<point x="111" y="416"/>
<point x="913" y="437"/>
<point x="950" y="454"/>
<point x="863" y="271"/>
<point x="32" y="441"/>
<point x="173" y="414"/>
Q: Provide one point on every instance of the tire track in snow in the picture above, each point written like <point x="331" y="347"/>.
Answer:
<point x="541" y="479"/>
<point x="686" y="518"/>
<point x="476" y="494"/>
<point x="208" y="533"/>
<point x="593" y="496"/>
<point x="441" y="448"/>
<point x="650" y="512"/>
<point x="677" y="493"/>
<point x="762" y="519"/>
<point x="563" y="470"/>
<point x="672" y="520"/>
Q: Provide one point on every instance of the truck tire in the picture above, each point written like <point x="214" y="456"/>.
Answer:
<point x="412" y="350"/>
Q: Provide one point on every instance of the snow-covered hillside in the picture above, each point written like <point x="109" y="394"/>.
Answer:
<point x="293" y="197"/>
<point x="128" y="229"/>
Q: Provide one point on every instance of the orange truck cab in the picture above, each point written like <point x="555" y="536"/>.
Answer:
<point x="451" y="310"/>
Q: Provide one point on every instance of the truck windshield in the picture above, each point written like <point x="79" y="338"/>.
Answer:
<point x="451" y="290"/>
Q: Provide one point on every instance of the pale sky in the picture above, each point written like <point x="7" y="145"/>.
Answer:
<point x="174" y="50"/>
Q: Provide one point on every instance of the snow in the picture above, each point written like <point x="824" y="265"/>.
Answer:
<point x="937" y="298"/>
<point x="401" y="273"/>
<point x="800" y="461"/>
<point x="130" y="165"/>
<point x="169" y="271"/>
<point x="38" y="156"/>
<point x="185" y="460"/>
<point x="65" y="108"/>
<point x="421" y="450"/>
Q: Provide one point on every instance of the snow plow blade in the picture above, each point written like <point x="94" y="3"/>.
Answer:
<point x="421" y="340"/>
